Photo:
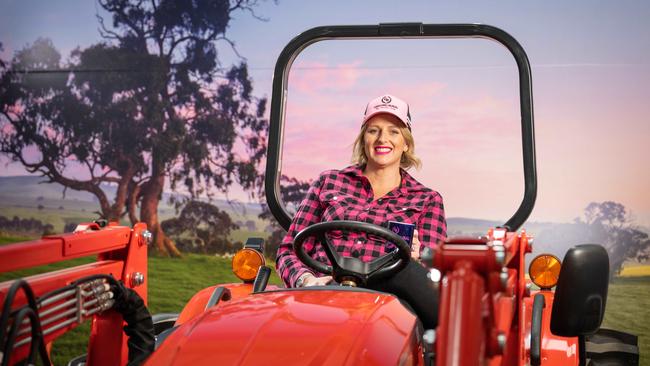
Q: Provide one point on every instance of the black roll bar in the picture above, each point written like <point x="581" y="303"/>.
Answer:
<point x="408" y="31"/>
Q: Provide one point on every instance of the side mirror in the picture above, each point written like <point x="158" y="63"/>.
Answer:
<point x="581" y="292"/>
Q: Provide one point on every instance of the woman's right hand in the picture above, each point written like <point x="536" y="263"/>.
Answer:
<point x="415" y="246"/>
<point x="311" y="280"/>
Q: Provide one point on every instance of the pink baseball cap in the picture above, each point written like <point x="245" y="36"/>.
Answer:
<point x="388" y="104"/>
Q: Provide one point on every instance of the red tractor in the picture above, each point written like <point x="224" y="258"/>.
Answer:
<point x="488" y="311"/>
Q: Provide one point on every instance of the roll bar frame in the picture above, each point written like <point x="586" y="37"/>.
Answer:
<point x="398" y="31"/>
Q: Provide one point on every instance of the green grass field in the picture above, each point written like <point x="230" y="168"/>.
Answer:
<point x="628" y="310"/>
<point x="172" y="282"/>
<point x="12" y="239"/>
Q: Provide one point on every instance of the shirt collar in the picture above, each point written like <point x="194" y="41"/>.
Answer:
<point x="353" y="170"/>
<point x="409" y="184"/>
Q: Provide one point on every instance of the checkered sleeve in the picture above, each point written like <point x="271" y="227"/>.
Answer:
<point x="432" y="226"/>
<point x="288" y="266"/>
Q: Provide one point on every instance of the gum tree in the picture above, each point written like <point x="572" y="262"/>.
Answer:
<point x="148" y="107"/>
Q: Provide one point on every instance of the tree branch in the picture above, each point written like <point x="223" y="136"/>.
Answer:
<point x="248" y="5"/>
<point x="123" y="17"/>
<point x="105" y="32"/>
<point x="209" y="38"/>
<point x="232" y="46"/>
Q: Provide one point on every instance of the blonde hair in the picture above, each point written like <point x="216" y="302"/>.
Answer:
<point x="408" y="159"/>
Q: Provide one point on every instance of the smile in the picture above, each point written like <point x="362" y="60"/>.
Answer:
<point x="381" y="150"/>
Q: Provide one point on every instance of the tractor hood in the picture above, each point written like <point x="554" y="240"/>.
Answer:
<point x="296" y="327"/>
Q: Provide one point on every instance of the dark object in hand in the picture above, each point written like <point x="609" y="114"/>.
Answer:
<point x="402" y="229"/>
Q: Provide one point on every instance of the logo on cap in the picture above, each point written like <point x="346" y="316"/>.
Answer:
<point x="386" y="99"/>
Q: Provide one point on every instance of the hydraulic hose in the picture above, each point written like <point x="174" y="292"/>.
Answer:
<point x="139" y="326"/>
<point x="31" y="311"/>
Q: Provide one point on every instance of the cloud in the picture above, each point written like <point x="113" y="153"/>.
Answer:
<point x="314" y="77"/>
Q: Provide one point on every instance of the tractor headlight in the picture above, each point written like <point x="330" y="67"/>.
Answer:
<point x="246" y="263"/>
<point x="544" y="270"/>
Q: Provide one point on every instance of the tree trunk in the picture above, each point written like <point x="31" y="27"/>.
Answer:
<point x="132" y="201"/>
<point x="151" y="193"/>
<point x="121" y="195"/>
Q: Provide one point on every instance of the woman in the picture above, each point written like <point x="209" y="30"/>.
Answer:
<point x="377" y="189"/>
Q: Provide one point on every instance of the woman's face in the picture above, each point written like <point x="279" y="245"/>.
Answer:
<point x="383" y="141"/>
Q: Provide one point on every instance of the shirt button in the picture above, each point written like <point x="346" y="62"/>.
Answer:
<point x="380" y="201"/>
<point x="335" y="198"/>
<point x="359" y="242"/>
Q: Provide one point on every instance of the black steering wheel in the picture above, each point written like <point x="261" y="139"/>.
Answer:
<point x="349" y="270"/>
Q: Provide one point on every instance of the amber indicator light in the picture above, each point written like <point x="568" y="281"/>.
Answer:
<point x="246" y="264"/>
<point x="544" y="270"/>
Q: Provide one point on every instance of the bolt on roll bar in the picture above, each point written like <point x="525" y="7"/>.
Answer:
<point x="401" y="31"/>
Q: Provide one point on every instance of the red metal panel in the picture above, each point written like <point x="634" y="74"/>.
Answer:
<point x="524" y="300"/>
<point x="295" y="327"/>
<point x="135" y="260"/>
<point x="30" y="254"/>
<point x="88" y="242"/>
<point x="52" y="249"/>
<point x="525" y="315"/>
<point x="480" y="300"/>
<point x="197" y="303"/>
<point x="461" y="332"/>
<point x="556" y="350"/>
<point x="107" y="343"/>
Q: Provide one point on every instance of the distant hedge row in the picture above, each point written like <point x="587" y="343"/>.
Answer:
<point x="18" y="225"/>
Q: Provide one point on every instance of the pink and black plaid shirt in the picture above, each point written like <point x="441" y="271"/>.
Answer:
<point x="347" y="195"/>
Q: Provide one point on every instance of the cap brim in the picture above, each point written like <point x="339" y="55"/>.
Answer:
<point x="369" y="116"/>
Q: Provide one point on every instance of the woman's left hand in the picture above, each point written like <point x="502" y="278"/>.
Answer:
<point x="415" y="247"/>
